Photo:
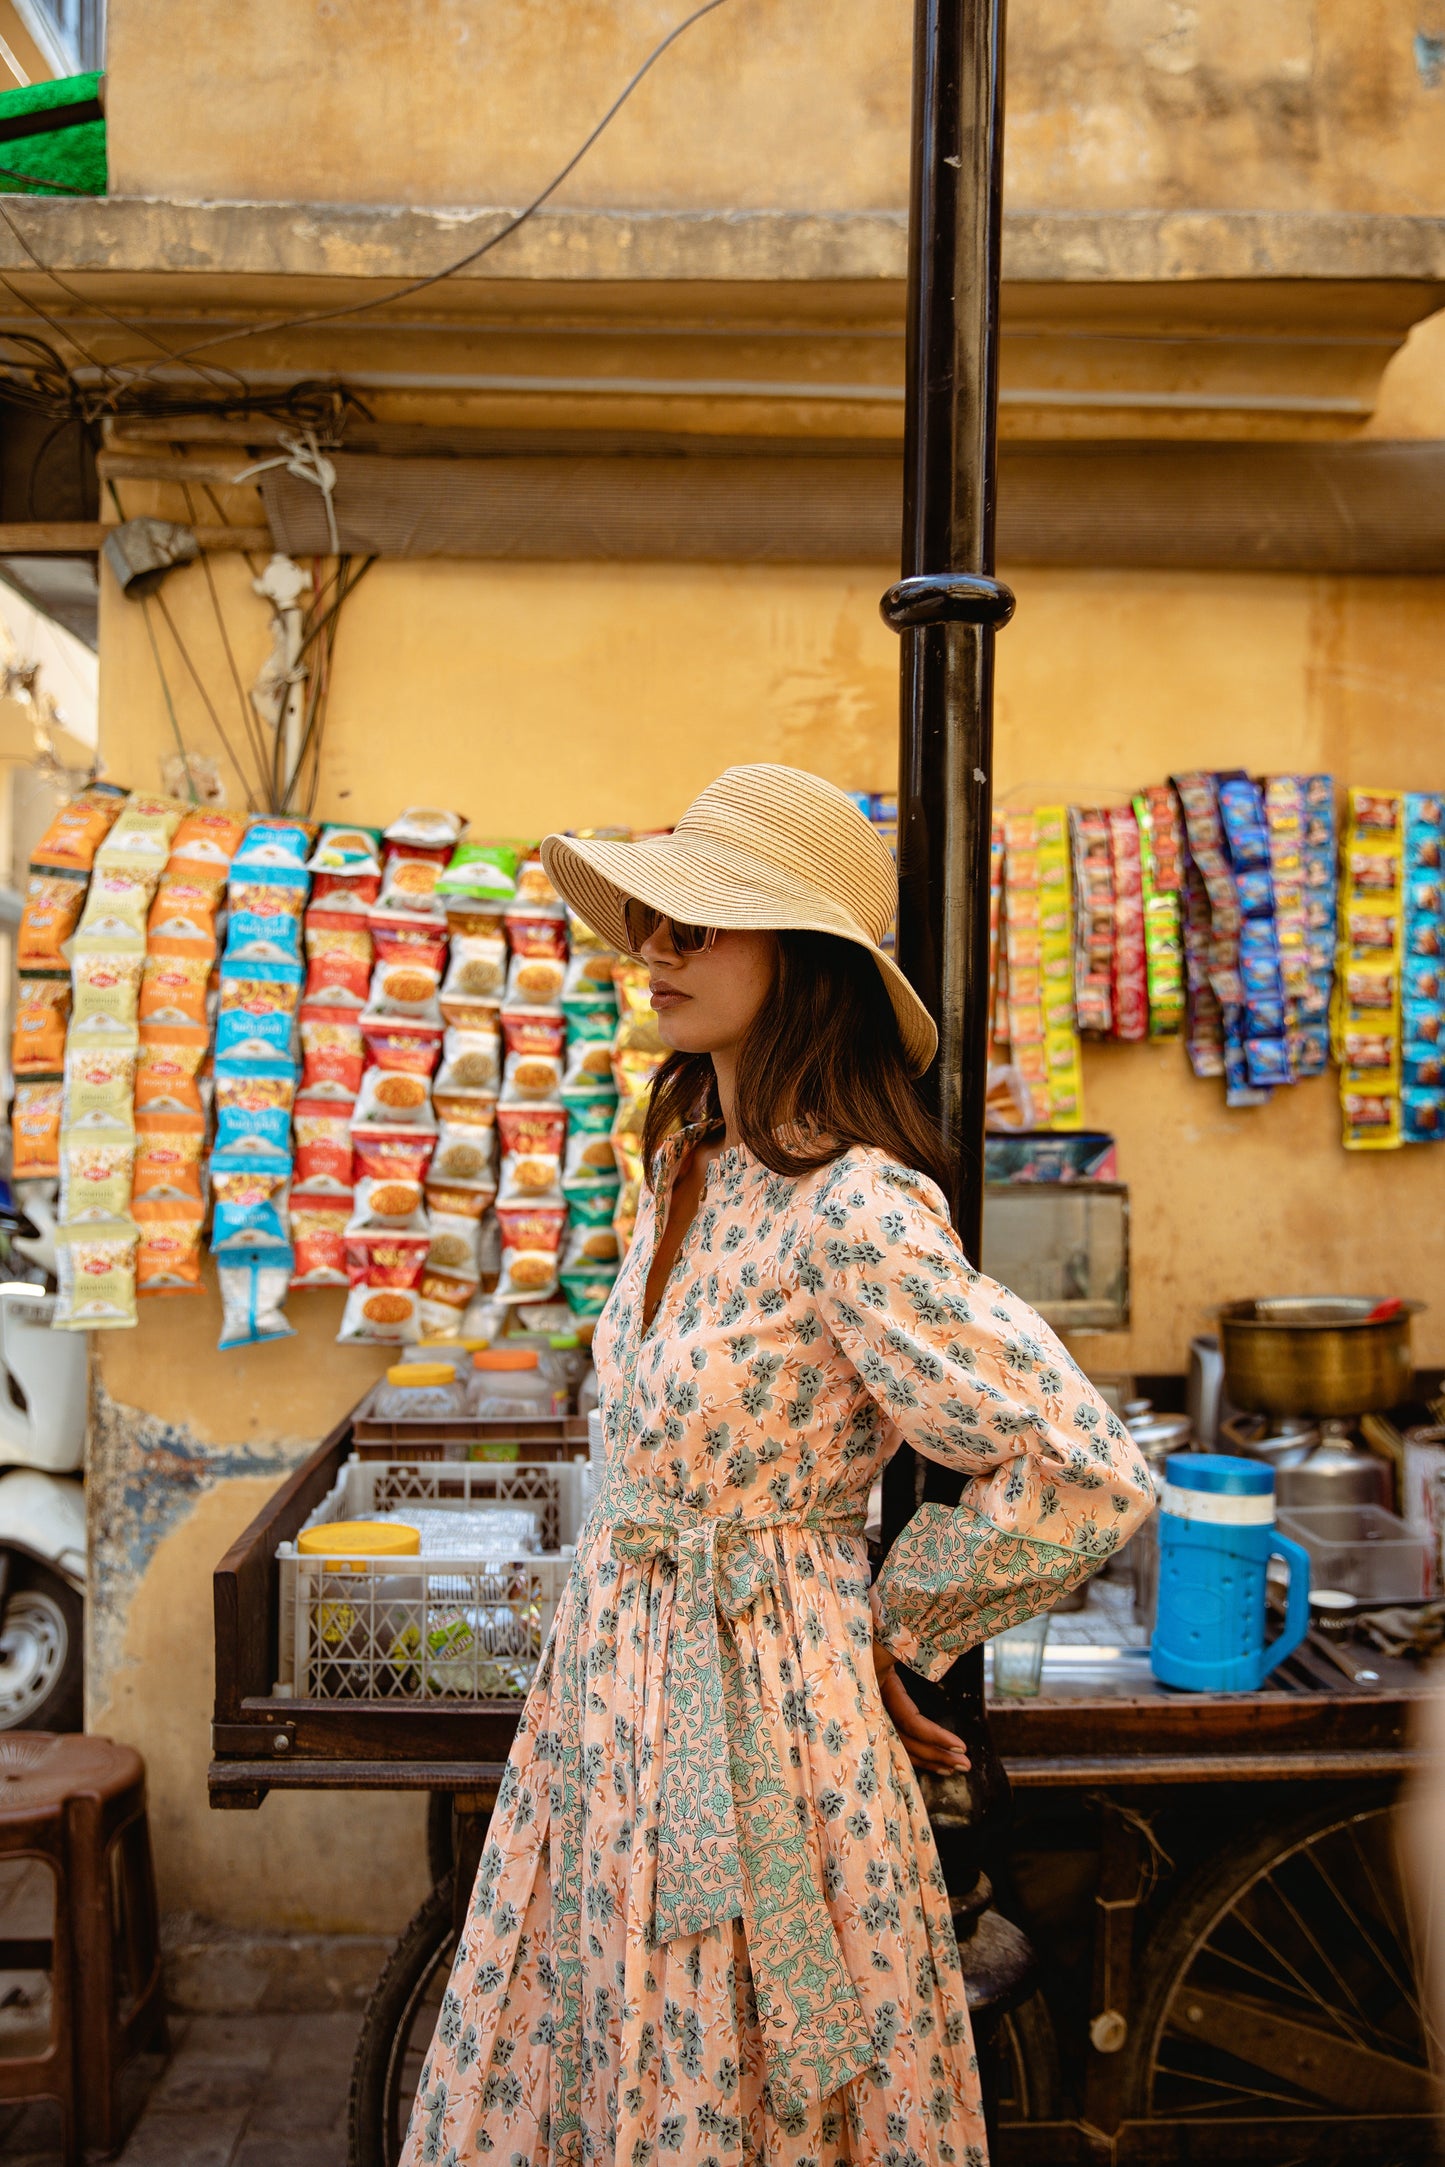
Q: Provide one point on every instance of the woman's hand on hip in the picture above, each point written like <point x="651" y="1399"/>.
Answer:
<point x="928" y="1745"/>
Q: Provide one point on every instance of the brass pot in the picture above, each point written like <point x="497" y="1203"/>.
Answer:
<point x="1316" y="1355"/>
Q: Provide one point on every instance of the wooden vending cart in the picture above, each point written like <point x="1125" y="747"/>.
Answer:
<point x="1226" y="1968"/>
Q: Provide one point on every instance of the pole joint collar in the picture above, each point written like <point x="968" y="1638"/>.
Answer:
<point x="938" y="598"/>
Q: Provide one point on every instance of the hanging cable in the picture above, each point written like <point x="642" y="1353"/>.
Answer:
<point x="170" y="704"/>
<point x="249" y="723"/>
<point x="206" y="701"/>
<point x="134" y="374"/>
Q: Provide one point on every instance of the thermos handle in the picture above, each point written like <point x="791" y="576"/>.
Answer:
<point x="1297" y="1607"/>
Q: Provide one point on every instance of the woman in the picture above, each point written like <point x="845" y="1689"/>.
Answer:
<point x="709" y="1925"/>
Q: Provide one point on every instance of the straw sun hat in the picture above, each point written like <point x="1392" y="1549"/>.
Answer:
<point x="765" y="848"/>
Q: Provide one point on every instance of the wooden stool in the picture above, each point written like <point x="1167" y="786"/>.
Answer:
<point x="78" y="1805"/>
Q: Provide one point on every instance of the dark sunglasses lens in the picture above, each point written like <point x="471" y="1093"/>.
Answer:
<point x="641" y="921"/>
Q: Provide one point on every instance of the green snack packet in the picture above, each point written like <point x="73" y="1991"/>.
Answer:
<point x="487" y="870"/>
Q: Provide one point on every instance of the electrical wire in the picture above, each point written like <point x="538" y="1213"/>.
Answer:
<point x="249" y="724"/>
<point x="170" y="703"/>
<point x="212" y="376"/>
<point x="206" y="701"/>
<point x="135" y="375"/>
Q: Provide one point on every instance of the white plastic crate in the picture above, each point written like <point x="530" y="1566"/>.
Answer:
<point x="428" y="1629"/>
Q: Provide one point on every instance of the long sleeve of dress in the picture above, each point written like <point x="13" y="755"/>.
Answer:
<point x="973" y="1378"/>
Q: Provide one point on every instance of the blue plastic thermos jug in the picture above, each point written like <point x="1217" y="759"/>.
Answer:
<point x="1216" y="1537"/>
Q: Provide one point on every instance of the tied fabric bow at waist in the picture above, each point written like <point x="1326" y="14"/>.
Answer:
<point x="729" y="1841"/>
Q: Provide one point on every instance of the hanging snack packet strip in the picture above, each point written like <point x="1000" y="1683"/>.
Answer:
<point x="1163" y="930"/>
<point x="637" y="1055"/>
<point x="1062" y="1054"/>
<point x="1264" y="1021"/>
<point x="1204" y="1019"/>
<point x="1366" y="1014"/>
<point x="1093" y="917"/>
<point x="256" y="1076"/>
<point x="1130" y="981"/>
<point x="1213" y="922"/>
<point x="1310" y="1043"/>
<point x="1022" y="954"/>
<point x="1422" y="1100"/>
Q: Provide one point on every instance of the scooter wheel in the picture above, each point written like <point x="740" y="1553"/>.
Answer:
<point x="42" y="1649"/>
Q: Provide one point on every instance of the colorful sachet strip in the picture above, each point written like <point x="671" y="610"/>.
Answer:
<point x="385" y="1061"/>
<point x="1224" y="906"/>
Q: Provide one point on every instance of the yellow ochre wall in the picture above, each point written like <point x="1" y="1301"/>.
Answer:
<point x="1313" y="104"/>
<point x="540" y="696"/>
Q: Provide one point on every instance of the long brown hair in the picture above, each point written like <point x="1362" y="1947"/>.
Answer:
<point x="822" y="1067"/>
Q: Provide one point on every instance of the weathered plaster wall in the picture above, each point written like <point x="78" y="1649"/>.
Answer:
<point x="540" y="696"/>
<point x="1112" y="103"/>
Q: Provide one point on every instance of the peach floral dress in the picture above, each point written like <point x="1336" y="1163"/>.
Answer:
<point x="709" y="1928"/>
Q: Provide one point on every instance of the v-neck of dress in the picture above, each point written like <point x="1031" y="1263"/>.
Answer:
<point x="663" y="1213"/>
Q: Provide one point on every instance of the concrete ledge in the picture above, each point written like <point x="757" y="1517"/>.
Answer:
<point x="142" y="235"/>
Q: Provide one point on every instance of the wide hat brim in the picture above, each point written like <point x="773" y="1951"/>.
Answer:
<point x="700" y="881"/>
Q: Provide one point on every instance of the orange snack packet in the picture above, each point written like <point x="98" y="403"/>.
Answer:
<point x="37" y="1042"/>
<point x="207" y="836"/>
<point x="53" y="904"/>
<point x="167" y="1065"/>
<point x="79" y="829"/>
<point x="173" y="983"/>
<point x="169" y="1257"/>
<point x="35" y="1129"/>
<point x="168" y="1156"/>
<point x="185" y="906"/>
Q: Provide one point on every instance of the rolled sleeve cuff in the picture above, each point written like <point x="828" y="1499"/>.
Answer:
<point x="954" y="1579"/>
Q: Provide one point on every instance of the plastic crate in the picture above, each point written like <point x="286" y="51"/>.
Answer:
<point x="1362" y="1551"/>
<point x="427" y="1629"/>
<point x="555" y="1437"/>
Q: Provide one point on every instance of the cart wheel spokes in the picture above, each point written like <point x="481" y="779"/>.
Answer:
<point x="1026" y="2051"/>
<point x="1293" y="1995"/>
<point x="396" y="2032"/>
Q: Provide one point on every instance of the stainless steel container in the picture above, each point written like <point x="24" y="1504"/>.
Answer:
<point x="1316" y="1355"/>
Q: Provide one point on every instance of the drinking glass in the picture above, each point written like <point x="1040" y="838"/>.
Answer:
<point x="1018" y="1657"/>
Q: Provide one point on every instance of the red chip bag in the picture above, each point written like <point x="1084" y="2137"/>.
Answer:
<point x="542" y="935"/>
<point x="402" y="1043"/>
<point x="532" y="1129"/>
<point x="531" y="1226"/>
<point x="321" y="1134"/>
<point x="332" y="1054"/>
<point x="352" y="892"/>
<point x="391" y="1154"/>
<point x="406" y="937"/>
<point x="378" y="1258"/>
<point x="534" y="1030"/>
<point x="318" y="1237"/>
<point x="338" y="959"/>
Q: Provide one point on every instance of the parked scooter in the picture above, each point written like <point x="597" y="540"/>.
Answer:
<point x="43" y="1395"/>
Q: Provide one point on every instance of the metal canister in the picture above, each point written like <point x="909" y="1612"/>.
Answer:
<point x="1317" y="1354"/>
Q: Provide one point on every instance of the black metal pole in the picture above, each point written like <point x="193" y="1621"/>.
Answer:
<point x="947" y="606"/>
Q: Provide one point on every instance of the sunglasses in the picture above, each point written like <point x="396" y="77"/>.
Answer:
<point x="642" y="921"/>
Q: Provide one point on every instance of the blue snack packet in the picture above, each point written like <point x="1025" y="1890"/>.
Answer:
<point x="1422" y="1116"/>
<point x="244" y="1037"/>
<point x="277" y="843"/>
<point x="263" y="939"/>
<point x="1267" y="1062"/>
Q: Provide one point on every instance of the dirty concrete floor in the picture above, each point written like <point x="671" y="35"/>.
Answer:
<point x="234" y="2091"/>
<point x="251" y="2091"/>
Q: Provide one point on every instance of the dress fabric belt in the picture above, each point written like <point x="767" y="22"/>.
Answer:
<point x="730" y="1843"/>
